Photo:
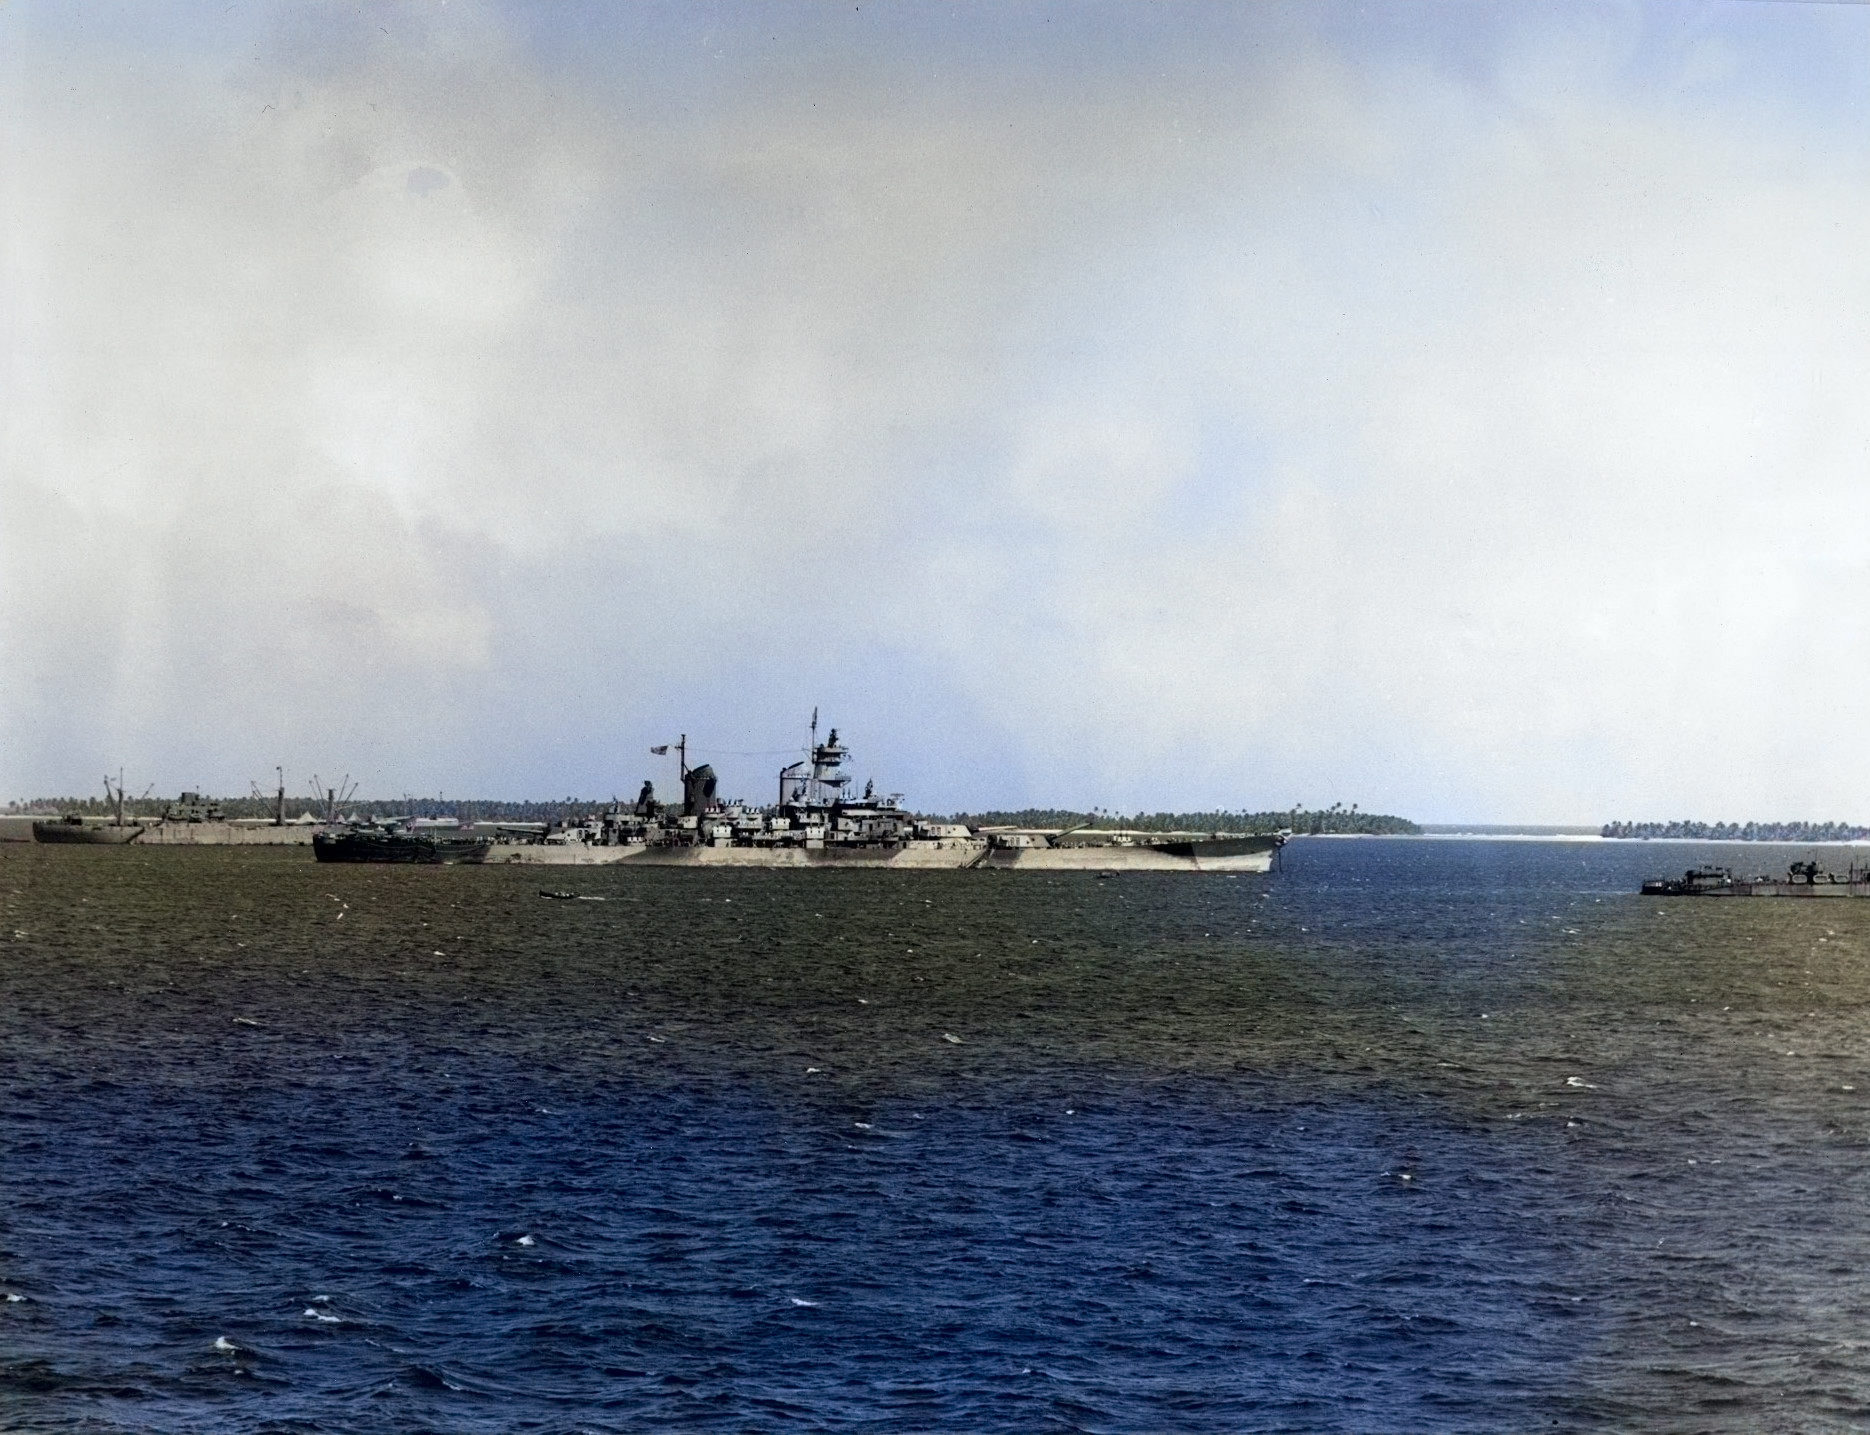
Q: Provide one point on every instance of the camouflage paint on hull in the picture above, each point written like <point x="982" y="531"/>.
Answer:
<point x="1238" y="854"/>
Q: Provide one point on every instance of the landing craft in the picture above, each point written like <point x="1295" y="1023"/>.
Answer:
<point x="402" y="840"/>
<point x="1803" y="879"/>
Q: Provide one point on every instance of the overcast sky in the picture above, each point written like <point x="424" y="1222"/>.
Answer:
<point x="1455" y="409"/>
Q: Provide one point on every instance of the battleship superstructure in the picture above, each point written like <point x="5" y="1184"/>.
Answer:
<point x="817" y="822"/>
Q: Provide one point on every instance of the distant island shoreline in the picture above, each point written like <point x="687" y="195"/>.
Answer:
<point x="1735" y="831"/>
<point x="1335" y="820"/>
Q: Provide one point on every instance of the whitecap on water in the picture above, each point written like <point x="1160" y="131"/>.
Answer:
<point x="313" y="1313"/>
<point x="797" y="1301"/>
<point x="225" y="1346"/>
<point x="525" y="1241"/>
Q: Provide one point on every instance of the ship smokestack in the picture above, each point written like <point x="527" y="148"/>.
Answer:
<point x="698" y="785"/>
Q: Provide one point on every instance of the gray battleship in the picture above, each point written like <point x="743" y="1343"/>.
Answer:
<point x="818" y="822"/>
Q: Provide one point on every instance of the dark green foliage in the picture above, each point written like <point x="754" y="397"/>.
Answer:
<point x="1740" y="831"/>
<point x="1333" y="819"/>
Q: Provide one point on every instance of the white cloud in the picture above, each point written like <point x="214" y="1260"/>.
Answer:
<point x="1311" y="426"/>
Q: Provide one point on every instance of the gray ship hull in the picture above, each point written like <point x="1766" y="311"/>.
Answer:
<point x="227" y="834"/>
<point x="933" y="856"/>
<point x="1241" y="854"/>
<point x="107" y="834"/>
<point x="1772" y="887"/>
<point x="1804" y="880"/>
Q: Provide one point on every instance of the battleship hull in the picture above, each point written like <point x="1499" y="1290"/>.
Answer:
<point x="1773" y="888"/>
<point x="557" y="854"/>
<point x="1225" y="854"/>
<point x="108" y="834"/>
<point x="922" y="855"/>
<point x="1241" y="854"/>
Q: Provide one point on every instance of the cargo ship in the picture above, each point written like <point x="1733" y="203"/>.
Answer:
<point x="1802" y="879"/>
<point x="74" y="827"/>
<point x="190" y="821"/>
<point x="817" y="822"/>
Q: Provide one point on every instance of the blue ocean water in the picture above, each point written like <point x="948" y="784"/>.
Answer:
<point x="1411" y="1135"/>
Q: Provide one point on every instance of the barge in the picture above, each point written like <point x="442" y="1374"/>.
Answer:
<point x="400" y="840"/>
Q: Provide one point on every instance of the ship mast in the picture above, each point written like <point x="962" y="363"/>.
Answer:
<point x="816" y="781"/>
